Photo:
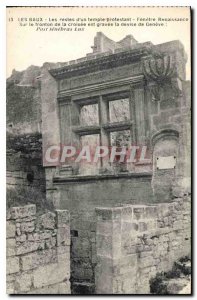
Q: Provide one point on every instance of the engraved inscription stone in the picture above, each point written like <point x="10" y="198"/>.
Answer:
<point x="166" y="162"/>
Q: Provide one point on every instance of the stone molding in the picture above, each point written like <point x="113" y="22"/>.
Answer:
<point x="102" y="63"/>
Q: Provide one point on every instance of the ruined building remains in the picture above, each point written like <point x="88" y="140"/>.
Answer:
<point x="126" y="220"/>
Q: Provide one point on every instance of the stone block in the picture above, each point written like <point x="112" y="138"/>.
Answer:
<point x="138" y="212"/>
<point x="127" y="227"/>
<point x="26" y="219"/>
<point x="178" y="224"/>
<point x="150" y="212"/>
<point x="104" y="213"/>
<point x="23" y="283"/>
<point x="12" y="265"/>
<point x="33" y="260"/>
<point x="27" y="227"/>
<point x="104" y="245"/>
<point x="41" y="235"/>
<point x="64" y="288"/>
<point x="128" y="284"/>
<point x="117" y="214"/>
<point x="50" y="243"/>
<point x="63" y="236"/>
<point x="29" y="246"/>
<point x="50" y="274"/>
<point x="58" y="288"/>
<point x="104" y="228"/>
<point x="127" y="213"/>
<point x="46" y="290"/>
<point x="142" y="226"/>
<point x="46" y="221"/>
<point x="10" y="229"/>
<point x="146" y="262"/>
<point x="21" y="238"/>
<point x="22" y="212"/>
<point x="10" y="288"/>
<point x="10" y="247"/>
<point x="63" y="218"/>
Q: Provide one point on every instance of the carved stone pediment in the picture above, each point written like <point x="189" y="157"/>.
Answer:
<point x="162" y="79"/>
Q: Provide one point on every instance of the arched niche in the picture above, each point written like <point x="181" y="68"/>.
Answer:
<point x="165" y="146"/>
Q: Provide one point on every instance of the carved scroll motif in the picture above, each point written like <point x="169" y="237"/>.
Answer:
<point x="162" y="78"/>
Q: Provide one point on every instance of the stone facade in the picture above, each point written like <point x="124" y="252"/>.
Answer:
<point x="134" y="242"/>
<point x="152" y="79"/>
<point x="127" y="91"/>
<point x="38" y="251"/>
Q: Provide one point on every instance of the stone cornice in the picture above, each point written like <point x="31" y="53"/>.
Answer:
<point x="62" y="95"/>
<point x="86" y="178"/>
<point x="101" y="63"/>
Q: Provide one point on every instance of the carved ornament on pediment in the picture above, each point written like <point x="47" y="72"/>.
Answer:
<point x="161" y="76"/>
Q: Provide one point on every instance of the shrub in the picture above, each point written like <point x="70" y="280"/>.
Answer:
<point x="157" y="286"/>
<point x="24" y="195"/>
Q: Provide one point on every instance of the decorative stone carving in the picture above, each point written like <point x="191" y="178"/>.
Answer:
<point x="162" y="78"/>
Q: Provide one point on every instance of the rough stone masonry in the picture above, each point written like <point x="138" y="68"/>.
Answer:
<point x="38" y="251"/>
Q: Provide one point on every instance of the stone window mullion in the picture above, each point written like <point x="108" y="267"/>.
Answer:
<point x="104" y="135"/>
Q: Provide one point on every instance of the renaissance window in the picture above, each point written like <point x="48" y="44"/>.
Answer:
<point x="104" y="120"/>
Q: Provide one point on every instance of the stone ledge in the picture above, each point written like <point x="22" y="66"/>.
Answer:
<point x="23" y="211"/>
<point x="81" y="178"/>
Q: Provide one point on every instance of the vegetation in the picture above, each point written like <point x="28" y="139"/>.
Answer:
<point x="21" y="196"/>
<point x="159" y="284"/>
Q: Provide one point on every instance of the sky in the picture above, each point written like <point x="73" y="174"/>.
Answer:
<point x="26" y="46"/>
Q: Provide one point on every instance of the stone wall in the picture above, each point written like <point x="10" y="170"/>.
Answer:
<point x="135" y="242"/>
<point x="170" y="127"/>
<point x="80" y="197"/>
<point x="24" y="161"/>
<point x="38" y="251"/>
<point x="23" y="101"/>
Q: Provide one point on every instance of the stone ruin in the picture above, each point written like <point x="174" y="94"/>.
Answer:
<point x="128" y="222"/>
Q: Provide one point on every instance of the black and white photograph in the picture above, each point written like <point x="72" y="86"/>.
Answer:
<point x="98" y="150"/>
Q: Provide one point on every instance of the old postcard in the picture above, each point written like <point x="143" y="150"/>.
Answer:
<point x="98" y="150"/>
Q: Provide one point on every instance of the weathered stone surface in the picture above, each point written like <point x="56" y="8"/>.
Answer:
<point x="23" y="283"/>
<point x="29" y="246"/>
<point x="22" y="212"/>
<point x="10" y="229"/>
<point x="35" y="264"/>
<point x="21" y="238"/>
<point x="12" y="265"/>
<point x="50" y="243"/>
<point x="104" y="245"/>
<point x="33" y="260"/>
<point x="10" y="247"/>
<point x="63" y="236"/>
<point x="10" y="288"/>
<point x="27" y="227"/>
<point x="49" y="274"/>
<point x="143" y="252"/>
<point x="46" y="221"/>
<point x="58" y="288"/>
<point x="63" y="218"/>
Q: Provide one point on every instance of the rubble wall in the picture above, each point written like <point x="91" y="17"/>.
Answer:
<point x="38" y="251"/>
<point x="135" y="242"/>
